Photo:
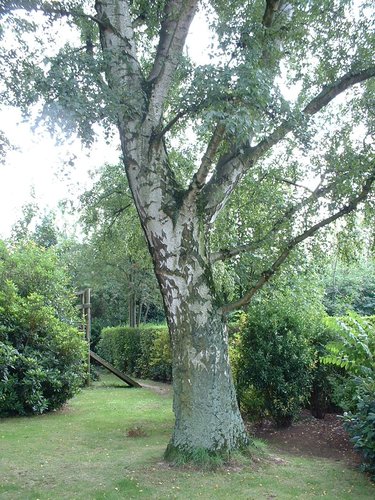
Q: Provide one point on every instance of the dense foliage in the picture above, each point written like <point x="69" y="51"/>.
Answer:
<point x="360" y="423"/>
<point x="143" y="352"/>
<point x="117" y="257"/>
<point x="350" y="286"/>
<point x="274" y="358"/>
<point x="353" y="350"/>
<point x="41" y="351"/>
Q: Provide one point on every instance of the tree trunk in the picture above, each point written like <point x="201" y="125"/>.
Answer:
<point x="132" y="310"/>
<point x="205" y="404"/>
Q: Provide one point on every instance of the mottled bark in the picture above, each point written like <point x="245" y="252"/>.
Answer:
<point x="205" y="405"/>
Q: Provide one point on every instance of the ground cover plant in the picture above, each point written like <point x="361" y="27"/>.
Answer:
<point x="107" y="443"/>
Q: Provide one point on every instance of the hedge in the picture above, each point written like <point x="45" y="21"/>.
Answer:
<point x="143" y="352"/>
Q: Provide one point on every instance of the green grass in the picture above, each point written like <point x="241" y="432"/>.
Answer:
<point x="108" y="444"/>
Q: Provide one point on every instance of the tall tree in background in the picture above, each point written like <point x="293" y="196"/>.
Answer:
<point x="117" y="257"/>
<point x="228" y="124"/>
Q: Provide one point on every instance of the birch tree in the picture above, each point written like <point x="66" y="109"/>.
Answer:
<point x="231" y="125"/>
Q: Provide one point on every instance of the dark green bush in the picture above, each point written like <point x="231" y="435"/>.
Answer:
<point x="273" y="358"/>
<point x="360" y="423"/>
<point x="353" y="350"/>
<point x="41" y="354"/>
<point x="143" y="352"/>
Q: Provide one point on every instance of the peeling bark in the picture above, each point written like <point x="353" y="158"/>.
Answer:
<point x="205" y="405"/>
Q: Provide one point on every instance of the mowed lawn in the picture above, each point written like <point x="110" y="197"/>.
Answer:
<point x="108" y="442"/>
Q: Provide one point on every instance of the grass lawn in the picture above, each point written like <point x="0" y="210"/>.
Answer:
<point x="108" y="442"/>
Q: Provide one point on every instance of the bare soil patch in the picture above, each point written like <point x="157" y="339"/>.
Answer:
<point x="310" y="437"/>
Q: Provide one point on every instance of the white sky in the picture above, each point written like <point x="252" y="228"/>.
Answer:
<point x="37" y="165"/>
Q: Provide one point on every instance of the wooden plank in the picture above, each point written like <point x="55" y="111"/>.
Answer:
<point x="114" y="370"/>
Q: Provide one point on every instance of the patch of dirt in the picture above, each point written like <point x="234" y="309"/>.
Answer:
<point x="159" y="387"/>
<point x="136" y="431"/>
<point x="310" y="437"/>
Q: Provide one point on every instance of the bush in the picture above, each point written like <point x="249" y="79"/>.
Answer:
<point x="41" y="354"/>
<point x="360" y="423"/>
<point x="353" y="351"/>
<point x="143" y="352"/>
<point x="274" y="360"/>
<point x="326" y="378"/>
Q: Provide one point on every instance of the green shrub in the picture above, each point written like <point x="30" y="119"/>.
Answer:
<point x="143" y="352"/>
<point x="161" y="356"/>
<point x="353" y="350"/>
<point x="354" y="346"/>
<point x="274" y="360"/>
<point x="326" y="378"/>
<point x="41" y="354"/>
<point x="360" y="423"/>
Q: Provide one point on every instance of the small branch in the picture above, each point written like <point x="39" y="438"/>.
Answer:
<point x="172" y="122"/>
<point x="192" y="109"/>
<point x="47" y="8"/>
<point x="295" y="184"/>
<point x="116" y="215"/>
<point x="267" y="274"/>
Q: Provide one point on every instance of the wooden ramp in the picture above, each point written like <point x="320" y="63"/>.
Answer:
<point x="114" y="370"/>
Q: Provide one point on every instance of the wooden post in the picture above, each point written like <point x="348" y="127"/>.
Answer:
<point x="88" y="329"/>
<point x="85" y="296"/>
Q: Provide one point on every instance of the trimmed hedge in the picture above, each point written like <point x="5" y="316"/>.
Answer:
<point x="144" y="352"/>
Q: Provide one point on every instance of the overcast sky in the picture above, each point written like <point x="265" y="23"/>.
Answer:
<point x="37" y="171"/>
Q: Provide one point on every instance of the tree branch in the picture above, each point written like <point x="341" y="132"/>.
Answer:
<point x="231" y="169"/>
<point x="226" y="254"/>
<point x="295" y="184"/>
<point x="46" y="8"/>
<point x="117" y="39"/>
<point x="178" y="15"/>
<point x="272" y="6"/>
<point x="191" y="109"/>
<point x="334" y="89"/>
<point x="201" y="175"/>
<point x="267" y="274"/>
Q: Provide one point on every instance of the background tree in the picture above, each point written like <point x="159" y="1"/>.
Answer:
<point x="116" y="261"/>
<point x="36" y="226"/>
<point x="231" y="123"/>
<point x="350" y="287"/>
